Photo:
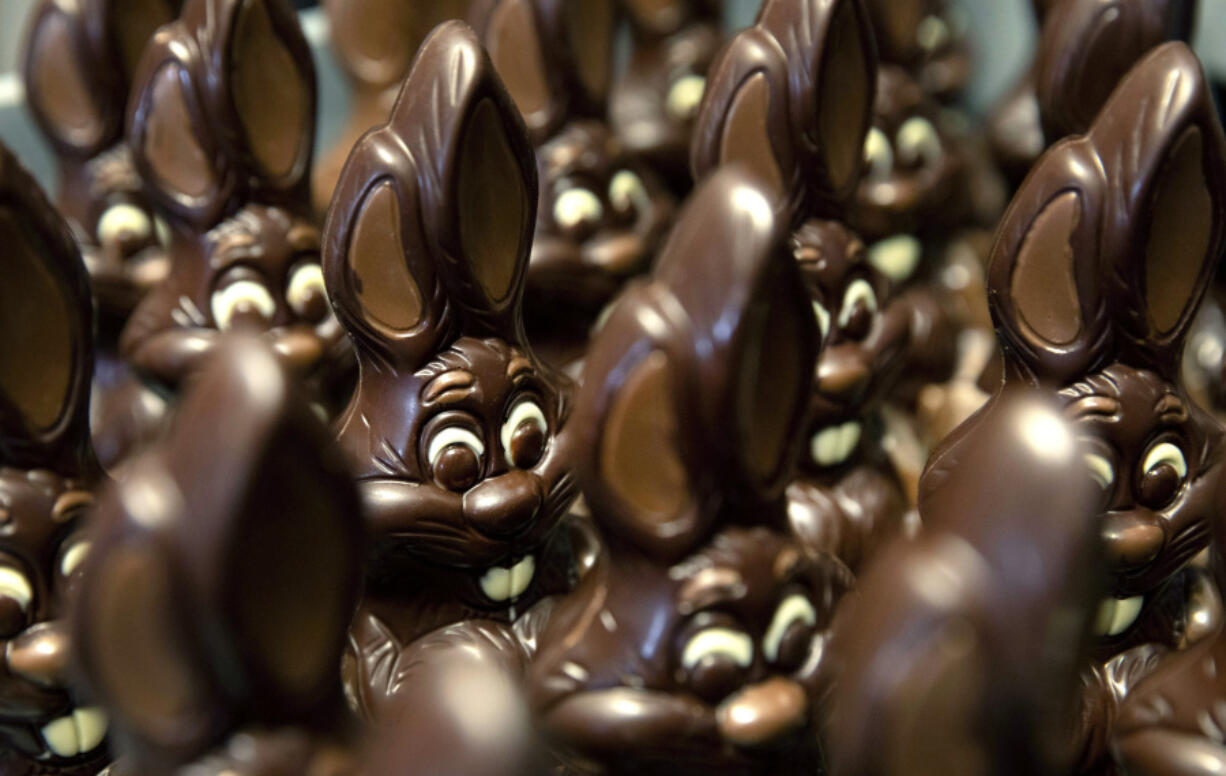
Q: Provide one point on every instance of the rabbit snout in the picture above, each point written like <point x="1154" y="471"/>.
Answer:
<point x="763" y="714"/>
<point x="843" y="374"/>
<point x="505" y="505"/>
<point x="39" y="654"/>
<point x="1132" y="539"/>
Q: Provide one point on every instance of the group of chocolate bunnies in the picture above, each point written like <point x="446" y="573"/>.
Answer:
<point x="692" y="406"/>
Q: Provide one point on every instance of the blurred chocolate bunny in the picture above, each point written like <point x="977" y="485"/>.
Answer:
<point x="80" y="60"/>
<point x="602" y="213"/>
<point x="695" y="644"/>
<point x="459" y="436"/>
<point x="929" y="39"/>
<point x="221" y="125"/>
<point x="47" y="476"/>
<point x="791" y="97"/>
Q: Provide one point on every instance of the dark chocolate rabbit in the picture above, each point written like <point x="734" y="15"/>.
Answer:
<point x="458" y="435"/>
<point x="221" y="126"/>
<point x="602" y="213"/>
<point x="79" y="63"/>
<point x="694" y="645"/>
<point x="47" y="475"/>
<point x="225" y="569"/>
<point x="791" y="98"/>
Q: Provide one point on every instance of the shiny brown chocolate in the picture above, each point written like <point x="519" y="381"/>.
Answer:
<point x="47" y="473"/>
<point x="222" y="574"/>
<point x="928" y="38"/>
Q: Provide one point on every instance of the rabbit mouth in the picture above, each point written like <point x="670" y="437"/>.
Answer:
<point x="501" y="584"/>
<point x="76" y="736"/>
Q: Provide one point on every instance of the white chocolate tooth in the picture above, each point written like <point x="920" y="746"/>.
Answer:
<point x="496" y="584"/>
<point x="1104" y="617"/>
<point x="896" y="257"/>
<point x="825" y="446"/>
<point x="1126" y="613"/>
<point x="849" y="437"/>
<point x="521" y="576"/>
<point x="61" y="737"/>
<point x="91" y="723"/>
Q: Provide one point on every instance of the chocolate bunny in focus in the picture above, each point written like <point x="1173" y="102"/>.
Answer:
<point x="80" y="59"/>
<point x="695" y="644"/>
<point x="458" y="434"/>
<point x="47" y="476"/>
<point x="602" y="212"/>
<point x="221" y="125"/>
<point x="791" y="97"/>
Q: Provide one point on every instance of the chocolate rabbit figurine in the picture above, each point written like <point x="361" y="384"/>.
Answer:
<point x="225" y="568"/>
<point x="374" y="42"/>
<point x="694" y="646"/>
<point x="47" y="476"/>
<point x="1098" y="271"/>
<point x="655" y="99"/>
<point x="79" y="63"/>
<point x="928" y="38"/>
<point x="602" y="213"/>
<point x="791" y="97"/>
<point x="221" y="125"/>
<point x="458" y="434"/>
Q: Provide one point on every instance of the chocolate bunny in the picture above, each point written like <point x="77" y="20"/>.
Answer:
<point x="374" y="42"/>
<point x="694" y="645"/>
<point x="458" y="435"/>
<point x="602" y="213"/>
<point x="47" y="475"/>
<point x="928" y="38"/>
<point x="79" y="63"/>
<point x="225" y="568"/>
<point x="791" y="97"/>
<point x="1098" y="271"/>
<point x="655" y="99"/>
<point x="221" y="125"/>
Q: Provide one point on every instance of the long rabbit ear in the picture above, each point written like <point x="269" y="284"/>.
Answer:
<point x="376" y="40"/>
<point x="695" y="387"/>
<point x="1164" y="154"/>
<point x="46" y="314"/>
<point x="896" y="23"/>
<point x="1086" y="48"/>
<point x="224" y="571"/>
<point x="584" y="34"/>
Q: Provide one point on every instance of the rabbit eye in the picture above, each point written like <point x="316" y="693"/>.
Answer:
<point x="932" y="34"/>
<point x="124" y="225"/>
<point x="790" y="632"/>
<point x="455" y="457"/>
<point x="684" y="97"/>
<point x="859" y="307"/>
<point x="73" y="557"/>
<point x="878" y="155"/>
<point x="243" y="296"/>
<point x="577" y="208"/>
<point x="918" y="142"/>
<point x="627" y="193"/>
<point x="823" y="319"/>
<point x="306" y="294"/>
<point x="1162" y="475"/>
<point x="714" y="661"/>
<point x="524" y="435"/>
<point x="15" y="597"/>
<point x="1101" y="470"/>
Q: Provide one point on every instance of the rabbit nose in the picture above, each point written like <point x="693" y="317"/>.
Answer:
<point x="504" y="505"/>
<point x="842" y="375"/>
<point x="40" y="654"/>
<point x="1132" y="539"/>
<point x="761" y="714"/>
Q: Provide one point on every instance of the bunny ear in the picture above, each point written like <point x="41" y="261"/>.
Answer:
<point x="126" y="26"/>
<point x="1165" y="158"/>
<point x="897" y="23"/>
<point x="515" y="35"/>
<point x="225" y="569"/>
<point x="46" y="314"/>
<point x="588" y="30"/>
<point x="695" y="387"/>
<point x="377" y="39"/>
<point x="1086" y="48"/>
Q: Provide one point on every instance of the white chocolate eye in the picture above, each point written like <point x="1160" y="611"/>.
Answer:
<point x="795" y="608"/>
<point x="524" y="412"/>
<point x="721" y="642"/>
<point x="305" y="284"/>
<point x="74" y="557"/>
<point x="932" y="33"/>
<point x="15" y="585"/>
<point x="1166" y="453"/>
<point x="684" y="97"/>
<point x="122" y="219"/>
<point x="823" y="318"/>
<point x="858" y="292"/>
<point x="627" y="192"/>
<point x="242" y="295"/>
<point x="1101" y="470"/>
<point x="576" y="207"/>
<point x="454" y="435"/>
<point x="879" y="155"/>
<point x="918" y="141"/>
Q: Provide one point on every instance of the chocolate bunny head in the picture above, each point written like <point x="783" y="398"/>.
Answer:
<point x="694" y="647"/>
<point x="47" y="469"/>
<point x="80" y="61"/>
<point x="221" y="125"/>
<point x="224" y="572"/>
<point x="1098" y="270"/>
<point x="928" y="38"/>
<point x="457" y="431"/>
